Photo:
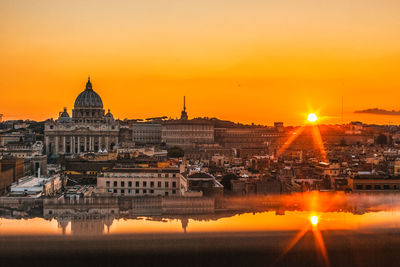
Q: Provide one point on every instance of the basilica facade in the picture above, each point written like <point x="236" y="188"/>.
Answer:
<point x="88" y="130"/>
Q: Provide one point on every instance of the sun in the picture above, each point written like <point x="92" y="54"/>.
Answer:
<point x="314" y="220"/>
<point x="312" y="117"/>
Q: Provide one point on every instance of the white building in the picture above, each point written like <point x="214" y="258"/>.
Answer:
<point x="151" y="181"/>
<point x="36" y="186"/>
<point x="89" y="129"/>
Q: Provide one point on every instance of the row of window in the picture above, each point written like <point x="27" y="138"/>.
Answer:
<point x="137" y="184"/>
<point x="137" y="191"/>
<point x="377" y="187"/>
<point x="159" y="175"/>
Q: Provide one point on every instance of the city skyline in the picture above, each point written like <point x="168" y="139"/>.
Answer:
<point x="256" y="62"/>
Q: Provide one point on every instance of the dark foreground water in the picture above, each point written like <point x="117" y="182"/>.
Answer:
<point x="318" y="230"/>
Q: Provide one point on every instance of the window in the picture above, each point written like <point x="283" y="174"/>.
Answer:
<point x="368" y="187"/>
<point x="166" y="193"/>
<point x="115" y="184"/>
<point x="137" y="191"/>
<point x="144" y="191"/>
<point x="137" y="184"/>
<point x="159" y="184"/>
<point x="122" y="184"/>
<point x="115" y="190"/>
<point x="174" y="175"/>
<point x="386" y="187"/>
<point x="151" y="184"/>
<point x="151" y="191"/>
<point x="359" y="187"/>
<point x="108" y="183"/>
<point x="122" y="191"/>
<point x="129" y="191"/>
<point x="159" y="175"/>
<point x="174" y="191"/>
<point x="173" y="184"/>
<point x="377" y="187"/>
<point x="144" y="184"/>
<point x="129" y="184"/>
<point x="166" y="184"/>
<point x="166" y="175"/>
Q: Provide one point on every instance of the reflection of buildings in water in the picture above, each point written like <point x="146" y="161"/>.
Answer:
<point x="184" y="223"/>
<point x="85" y="224"/>
<point x="62" y="223"/>
<point x="89" y="216"/>
<point x="90" y="225"/>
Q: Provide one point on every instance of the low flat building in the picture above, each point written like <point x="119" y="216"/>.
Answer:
<point x="206" y="183"/>
<point x="23" y="149"/>
<point x="187" y="133"/>
<point x="146" y="133"/>
<point x="11" y="170"/>
<point x="31" y="186"/>
<point x="150" y="181"/>
<point x="374" y="183"/>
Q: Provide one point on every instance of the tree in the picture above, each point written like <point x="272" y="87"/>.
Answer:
<point x="175" y="152"/>
<point x="37" y="127"/>
<point x="226" y="180"/>
<point x="381" y="140"/>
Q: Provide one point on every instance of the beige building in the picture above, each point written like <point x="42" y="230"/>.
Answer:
<point x="372" y="183"/>
<point x="142" y="181"/>
<point x="88" y="129"/>
<point x="187" y="133"/>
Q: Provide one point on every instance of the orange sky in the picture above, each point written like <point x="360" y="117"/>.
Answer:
<point x="249" y="61"/>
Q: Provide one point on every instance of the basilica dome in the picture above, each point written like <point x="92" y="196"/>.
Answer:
<point x="88" y="98"/>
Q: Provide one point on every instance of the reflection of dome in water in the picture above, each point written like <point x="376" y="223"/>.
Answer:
<point x="184" y="223"/>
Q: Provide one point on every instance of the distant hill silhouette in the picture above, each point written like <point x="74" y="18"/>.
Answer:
<point x="378" y="111"/>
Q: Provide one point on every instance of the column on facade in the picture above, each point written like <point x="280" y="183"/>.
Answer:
<point x="56" y="145"/>
<point x="70" y="145"/>
<point x="85" y="143"/>
<point x="47" y="144"/>
<point x="79" y="144"/>
<point x="90" y="143"/>
<point x="107" y="144"/>
<point x="64" y="145"/>
<point x="99" y="142"/>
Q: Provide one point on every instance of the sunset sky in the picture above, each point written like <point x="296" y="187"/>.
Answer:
<point x="250" y="61"/>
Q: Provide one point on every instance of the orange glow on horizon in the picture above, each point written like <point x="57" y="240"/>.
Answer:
<point x="319" y="142"/>
<point x="269" y="58"/>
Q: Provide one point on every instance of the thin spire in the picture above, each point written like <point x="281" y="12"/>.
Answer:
<point x="88" y="84"/>
<point x="184" y="115"/>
